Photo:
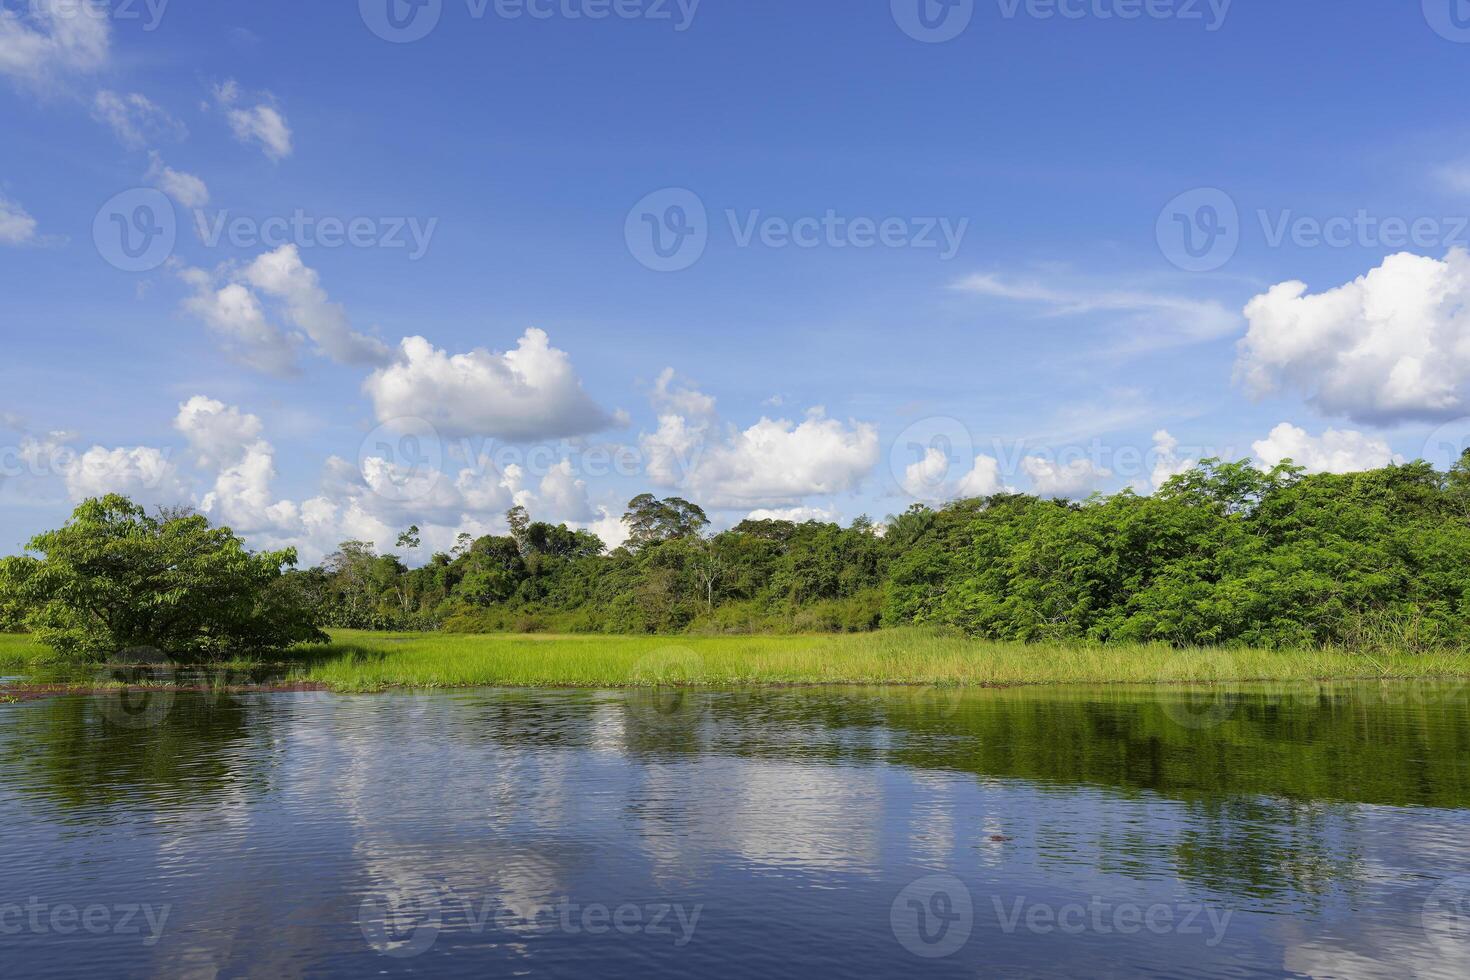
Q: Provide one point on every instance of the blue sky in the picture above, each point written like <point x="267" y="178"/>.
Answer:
<point x="992" y="288"/>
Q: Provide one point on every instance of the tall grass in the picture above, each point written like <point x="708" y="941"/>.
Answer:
<point x="368" y="662"/>
<point x="19" y="651"/>
<point x="360" y="661"/>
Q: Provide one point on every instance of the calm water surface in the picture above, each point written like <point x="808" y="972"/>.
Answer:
<point x="1295" y="831"/>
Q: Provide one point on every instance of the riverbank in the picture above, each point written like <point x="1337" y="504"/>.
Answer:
<point x="18" y="651"/>
<point x="365" y="662"/>
<point x="373" y="661"/>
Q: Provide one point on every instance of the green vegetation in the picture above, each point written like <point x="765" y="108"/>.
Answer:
<point x="1225" y="555"/>
<point x="18" y="650"/>
<point x="115" y="580"/>
<point x="670" y="577"/>
<point x="359" y="661"/>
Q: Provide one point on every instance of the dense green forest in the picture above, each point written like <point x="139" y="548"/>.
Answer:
<point x="1223" y="554"/>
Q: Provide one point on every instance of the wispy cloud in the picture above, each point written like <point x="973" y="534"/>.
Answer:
<point x="134" y="118"/>
<point x="1112" y="411"/>
<point x="17" y="227"/>
<point x="1156" y="320"/>
<point x="262" y="124"/>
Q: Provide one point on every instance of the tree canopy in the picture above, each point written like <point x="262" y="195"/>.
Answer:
<point x="115" y="579"/>
<point x="1227" y="553"/>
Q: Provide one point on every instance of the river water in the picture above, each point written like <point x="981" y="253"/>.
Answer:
<point x="1254" y="831"/>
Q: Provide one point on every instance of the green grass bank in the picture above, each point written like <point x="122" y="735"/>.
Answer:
<point x="361" y="661"/>
<point x="374" y="661"/>
<point x="18" y="651"/>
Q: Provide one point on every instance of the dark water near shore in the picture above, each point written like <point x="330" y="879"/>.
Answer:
<point x="1297" y="831"/>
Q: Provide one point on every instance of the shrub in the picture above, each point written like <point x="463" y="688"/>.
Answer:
<point x="114" y="579"/>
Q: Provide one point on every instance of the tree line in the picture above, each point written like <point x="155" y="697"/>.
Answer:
<point x="1226" y="553"/>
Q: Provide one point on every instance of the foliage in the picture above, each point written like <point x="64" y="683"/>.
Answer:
<point x="762" y="576"/>
<point x="1225" y="554"/>
<point x="115" y="580"/>
<point x="652" y="521"/>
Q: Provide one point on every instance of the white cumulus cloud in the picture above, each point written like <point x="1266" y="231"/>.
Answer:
<point x="1168" y="462"/>
<point x="775" y="462"/>
<point x="525" y="394"/>
<point x="929" y="478"/>
<point x="145" y="474"/>
<point x="609" y="528"/>
<point x="218" y="433"/>
<point x="1334" y="451"/>
<point x="1073" y="480"/>
<point x="235" y="474"/>
<point x="243" y="499"/>
<point x="1390" y="346"/>
<point x="229" y="302"/>
<point x="234" y="315"/>
<point x="372" y="500"/>
<point x="142" y="473"/>
<point x="562" y="496"/>
<point x="282" y="275"/>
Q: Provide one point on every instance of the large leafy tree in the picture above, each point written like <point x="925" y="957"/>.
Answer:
<point x="652" y="521"/>
<point x="115" y="579"/>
